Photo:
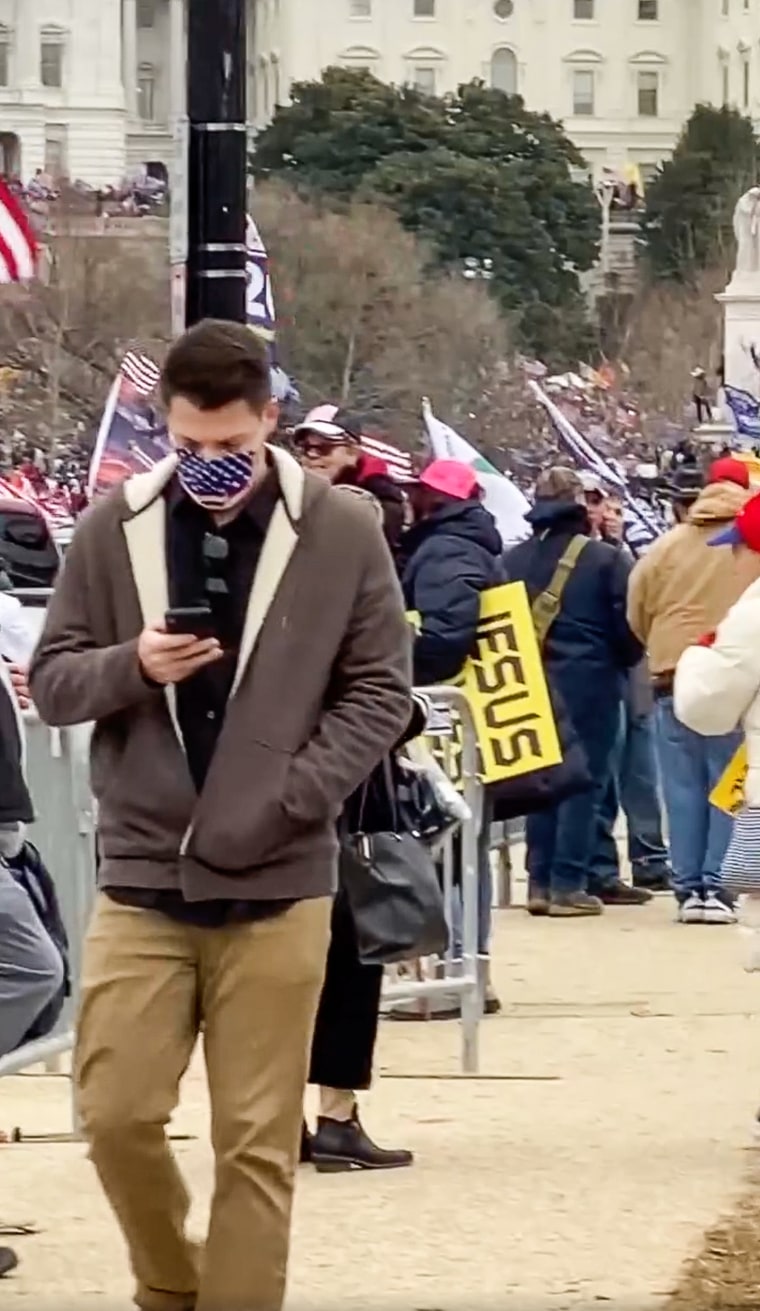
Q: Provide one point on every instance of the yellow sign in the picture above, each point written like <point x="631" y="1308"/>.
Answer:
<point x="728" y="793"/>
<point x="506" y="688"/>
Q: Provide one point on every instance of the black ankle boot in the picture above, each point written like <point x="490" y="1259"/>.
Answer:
<point x="343" y="1145"/>
<point x="305" y="1157"/>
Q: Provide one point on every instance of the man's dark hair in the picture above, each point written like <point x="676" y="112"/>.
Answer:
<point x="216" y="363"/>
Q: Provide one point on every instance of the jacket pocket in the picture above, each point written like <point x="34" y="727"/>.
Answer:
<point x="240" y="820"/>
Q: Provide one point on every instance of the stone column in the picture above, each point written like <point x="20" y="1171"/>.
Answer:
<point x="177" y="61"/>
<point x="129" y="55"/>
<point x="27" y="28"/>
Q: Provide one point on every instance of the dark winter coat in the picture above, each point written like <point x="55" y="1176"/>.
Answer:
<point x="372" y="475"/>
<point x="451" y="557"/>
<point x="590" y="645"/>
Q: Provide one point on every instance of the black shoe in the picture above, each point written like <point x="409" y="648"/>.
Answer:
<point x="653" y="881"/>
<point x="620" y="894"/>
<point x="343" y="1145"/>
<point x="305" y="1157"/>
<point x="8" y="1260"/>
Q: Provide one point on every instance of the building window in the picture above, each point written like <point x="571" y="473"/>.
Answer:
<point x="51" y="61"/>
<point x="504" y="71"/>
<point x="724" y="8"/>
<point x="649" y="95"/>
<point x="583" y="93"/>
<point x="503" y="8"/>
<point x="583" y="9"/>
<point x="146" y="93"/>
<point x="56" y="150"/>
<point x="725" y="83"/>
<point x="745" y="84"/>
<point x="360" y="8"/>
<point x="424" y="79"/>
<point x="648" y="11"/>
<point x="424" y="8"/>
<point x="146" y="13"/>
<point x="5" y="57"/>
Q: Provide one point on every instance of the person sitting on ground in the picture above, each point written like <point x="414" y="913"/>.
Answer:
<point x="680" y="590"/>
<point x="588" y="649"/>
<point x="329" y="443"/>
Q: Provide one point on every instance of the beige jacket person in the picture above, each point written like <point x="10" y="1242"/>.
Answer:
<point x="682" y="587"/>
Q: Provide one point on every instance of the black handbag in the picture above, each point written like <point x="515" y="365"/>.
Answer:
<point x="392" y="888"/>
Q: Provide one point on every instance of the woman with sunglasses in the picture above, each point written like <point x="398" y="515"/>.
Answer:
<point x="328" y="443"/>
<point x="342" y="1053"/>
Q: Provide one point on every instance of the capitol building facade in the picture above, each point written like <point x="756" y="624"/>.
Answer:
<point x="92" y="88"/>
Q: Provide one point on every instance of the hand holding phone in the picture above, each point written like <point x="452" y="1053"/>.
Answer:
<point x="190" y="621"/>
<point x="172" y="657"/>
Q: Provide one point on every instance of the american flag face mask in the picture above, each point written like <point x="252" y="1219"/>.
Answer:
<point x="217" y="483"/>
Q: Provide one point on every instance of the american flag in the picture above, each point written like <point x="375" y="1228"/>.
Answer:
<point x="141" y="371"/>
<point x="18" y="244"/>
<point x="399" y="462"/>
<point x="642" y="525"/>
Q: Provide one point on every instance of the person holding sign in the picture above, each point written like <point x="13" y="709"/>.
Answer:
<point x="453" y="554"/>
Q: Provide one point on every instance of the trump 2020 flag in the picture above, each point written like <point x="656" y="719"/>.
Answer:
<point x="259" y="300"/>
<point x="505" y="501"/>
<point x="745" y="411"/>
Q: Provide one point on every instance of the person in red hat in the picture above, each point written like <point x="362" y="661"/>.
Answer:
<point x="679" y="591"/>
<point x="452" y="554"/>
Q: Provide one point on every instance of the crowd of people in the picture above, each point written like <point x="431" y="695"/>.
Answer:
<point x="46" y="195"/>
<point x="251" y="700"/>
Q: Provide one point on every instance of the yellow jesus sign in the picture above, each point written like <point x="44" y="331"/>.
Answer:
<point x="506" y="688"/>
<point x="728" y="793"/>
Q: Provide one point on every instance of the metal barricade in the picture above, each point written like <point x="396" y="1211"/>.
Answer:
<point x="458" y="978"/>
<point x="64" y="831"/>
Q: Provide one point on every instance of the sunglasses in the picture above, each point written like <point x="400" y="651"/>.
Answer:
<point x="314" y="450"/>
<point x="215" y="551"/>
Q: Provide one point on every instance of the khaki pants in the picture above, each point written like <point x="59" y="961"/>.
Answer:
<point x="148" y="985"/>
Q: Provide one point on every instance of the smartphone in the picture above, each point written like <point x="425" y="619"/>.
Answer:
<point x="191" y="621"/>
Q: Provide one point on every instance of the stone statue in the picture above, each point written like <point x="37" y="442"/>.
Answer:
<point x="747" y="232"/>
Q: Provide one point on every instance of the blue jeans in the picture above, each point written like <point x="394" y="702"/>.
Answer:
<point x="632" y="785"/>
<point x="699" y="833"/>
<point x="561" y="840"/>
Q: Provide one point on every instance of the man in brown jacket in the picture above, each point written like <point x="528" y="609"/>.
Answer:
<point x="679" y="592"/>
<point x="226" y="741"/>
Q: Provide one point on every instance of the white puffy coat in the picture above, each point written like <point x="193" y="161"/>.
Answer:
<point x="717" y="688"/>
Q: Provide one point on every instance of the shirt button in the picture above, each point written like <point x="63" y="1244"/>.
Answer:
<point x="211" y="714"/>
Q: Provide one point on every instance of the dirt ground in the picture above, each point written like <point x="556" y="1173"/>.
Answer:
<point x="607" y="1133"/>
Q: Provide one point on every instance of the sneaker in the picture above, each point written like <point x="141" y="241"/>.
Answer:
<point x="538" y="903"/>
<point x="619" y="893"/>
<point x="691" y="910"/>
<point x="341" y="1145"/>
<point x="8" y="1260"/>
<point x="575" y="904"/>
<point x="719" y="909"/>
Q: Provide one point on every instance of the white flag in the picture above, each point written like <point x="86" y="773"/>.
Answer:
<point x="500" y="495"/>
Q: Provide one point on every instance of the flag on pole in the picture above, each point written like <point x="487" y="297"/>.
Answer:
<point x="505" y="501"/>
<point x="745" y="411"/>
<point x="18" y="244"/>
<point x="641" y="524"/>
<point x="132" y="436"/>
<point x="259" y="299"/>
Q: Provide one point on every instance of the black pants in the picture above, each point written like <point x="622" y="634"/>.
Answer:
<point x="349" y="1008"/>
